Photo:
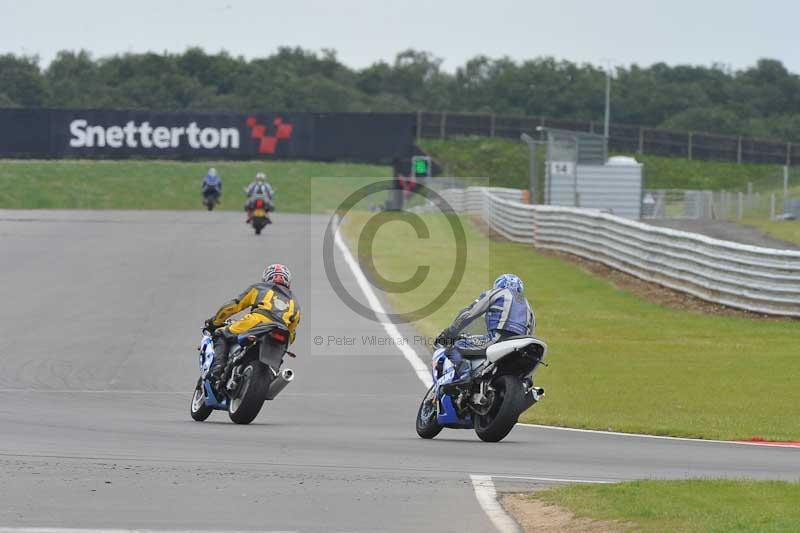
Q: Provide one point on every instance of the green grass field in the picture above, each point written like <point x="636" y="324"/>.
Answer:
<point x="136" y="184"/>
<point x="785" y="230"/>
<point x="505" y="163"/>
<point x="140" y="184"/>
<point x="618" y="361"/>
<point x="688" y="506"/>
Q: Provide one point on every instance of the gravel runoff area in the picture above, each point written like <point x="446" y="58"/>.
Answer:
<point x="726" y="231"/>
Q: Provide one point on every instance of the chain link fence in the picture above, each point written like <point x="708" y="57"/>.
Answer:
<point x="622" y="137"/>
<point x="773" y="197"/>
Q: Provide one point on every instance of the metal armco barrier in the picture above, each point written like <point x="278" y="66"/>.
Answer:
<point x="760" y="280"/>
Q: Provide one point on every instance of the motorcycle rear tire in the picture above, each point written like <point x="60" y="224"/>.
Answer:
<point x="198" y="409"/>
<point x="502" y="418"/>
<point x="427" y="429"/>
<point x="245" y="406"/>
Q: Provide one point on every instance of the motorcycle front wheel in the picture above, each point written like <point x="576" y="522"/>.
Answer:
<point x="246" y="402"/>
<point x="504" y="412"/>
<point x="198" y="409"/>
<point x="427" y="425"/>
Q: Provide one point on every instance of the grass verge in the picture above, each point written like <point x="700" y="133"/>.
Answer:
<point x="785" y="230"/>
<point x="505" y="163"/>
<point x="618" y="362"/>
<point x="687" y="505"/>
<point x="136" y="184"/>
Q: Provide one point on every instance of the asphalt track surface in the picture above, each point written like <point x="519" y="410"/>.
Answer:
<point x="99" y="320"/>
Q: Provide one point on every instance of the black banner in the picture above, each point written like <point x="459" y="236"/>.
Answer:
<point x="368" y="137"/>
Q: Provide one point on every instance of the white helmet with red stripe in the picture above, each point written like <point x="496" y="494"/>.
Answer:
<point x="277" y="274"/>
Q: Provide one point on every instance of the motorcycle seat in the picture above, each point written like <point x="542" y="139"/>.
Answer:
<point x="513" y="343"/>
<point x="480" y="353"/>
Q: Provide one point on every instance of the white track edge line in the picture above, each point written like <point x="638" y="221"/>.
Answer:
<point x="424" y="375"/>
<point x="658" y="437"/>
<point x="486" y="494"/>
<point x="559" y="479"/>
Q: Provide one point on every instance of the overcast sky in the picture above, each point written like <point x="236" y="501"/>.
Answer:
<point x="732" y="32"/>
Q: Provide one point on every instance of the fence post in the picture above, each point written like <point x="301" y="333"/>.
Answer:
<point x="419" y="125"/>
<point x="785" y="181"/>
<point x="689" y="147"/>
<point x="772" y="206"/>
<point x="788" y="154"/>
<point x="491" y="127"/>
<point x="741" y="205"/>
<point x="641" y="139"/>
<point x="443" y="124"/>
<point x="749" y="194"/>
<point x="739" y="150"/>
<point x="541" y="125"/>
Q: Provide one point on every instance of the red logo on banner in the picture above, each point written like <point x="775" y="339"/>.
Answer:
<point x="268" y="143"/>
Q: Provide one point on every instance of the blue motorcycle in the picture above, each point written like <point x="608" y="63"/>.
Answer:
<point x="252" y="375"/>
<point x="499" y="389"/>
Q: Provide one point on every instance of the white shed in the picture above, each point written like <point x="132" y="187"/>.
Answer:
<point x="578" y="174"/>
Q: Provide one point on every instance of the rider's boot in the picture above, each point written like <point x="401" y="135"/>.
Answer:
<point x="220" y="361"/>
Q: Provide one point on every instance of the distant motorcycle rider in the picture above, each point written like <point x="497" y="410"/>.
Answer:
<point x="270" y="301"/>
<point x="260" y="188"/>
<point x="506" y="312"/>
<point x="212" y="183"/>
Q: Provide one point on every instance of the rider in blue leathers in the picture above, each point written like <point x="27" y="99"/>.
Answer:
<point x="212" y="182"/>
<point x="507" y="313"/>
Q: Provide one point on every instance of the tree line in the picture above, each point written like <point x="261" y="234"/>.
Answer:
<point x="759" y="101"/>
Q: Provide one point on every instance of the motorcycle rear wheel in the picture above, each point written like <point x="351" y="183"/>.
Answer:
<point x="245" y="405"/>
<point x="198" y="409"/>
<point x="504" y="412"/>
<point x="427" y="425"/>
<point x="259" y="224"/>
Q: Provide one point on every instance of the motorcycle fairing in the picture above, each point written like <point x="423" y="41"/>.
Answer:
<point x="211" y="399"/>
<point x="206" y="355"/>
<point x="447" y="415"/>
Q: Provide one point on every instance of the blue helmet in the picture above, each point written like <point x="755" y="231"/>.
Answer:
<point x="509" y="281"/>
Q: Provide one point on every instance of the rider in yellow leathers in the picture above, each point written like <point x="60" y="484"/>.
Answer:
<point x="269" y="301"/>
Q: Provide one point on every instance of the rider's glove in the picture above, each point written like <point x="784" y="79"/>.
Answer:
<point x="443" y="339"/>
<point x="209" y="325"/>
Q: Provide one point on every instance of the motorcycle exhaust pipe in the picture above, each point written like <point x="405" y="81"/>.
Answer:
<point x="532" y="397"/>
<point x="279" y="382"/>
